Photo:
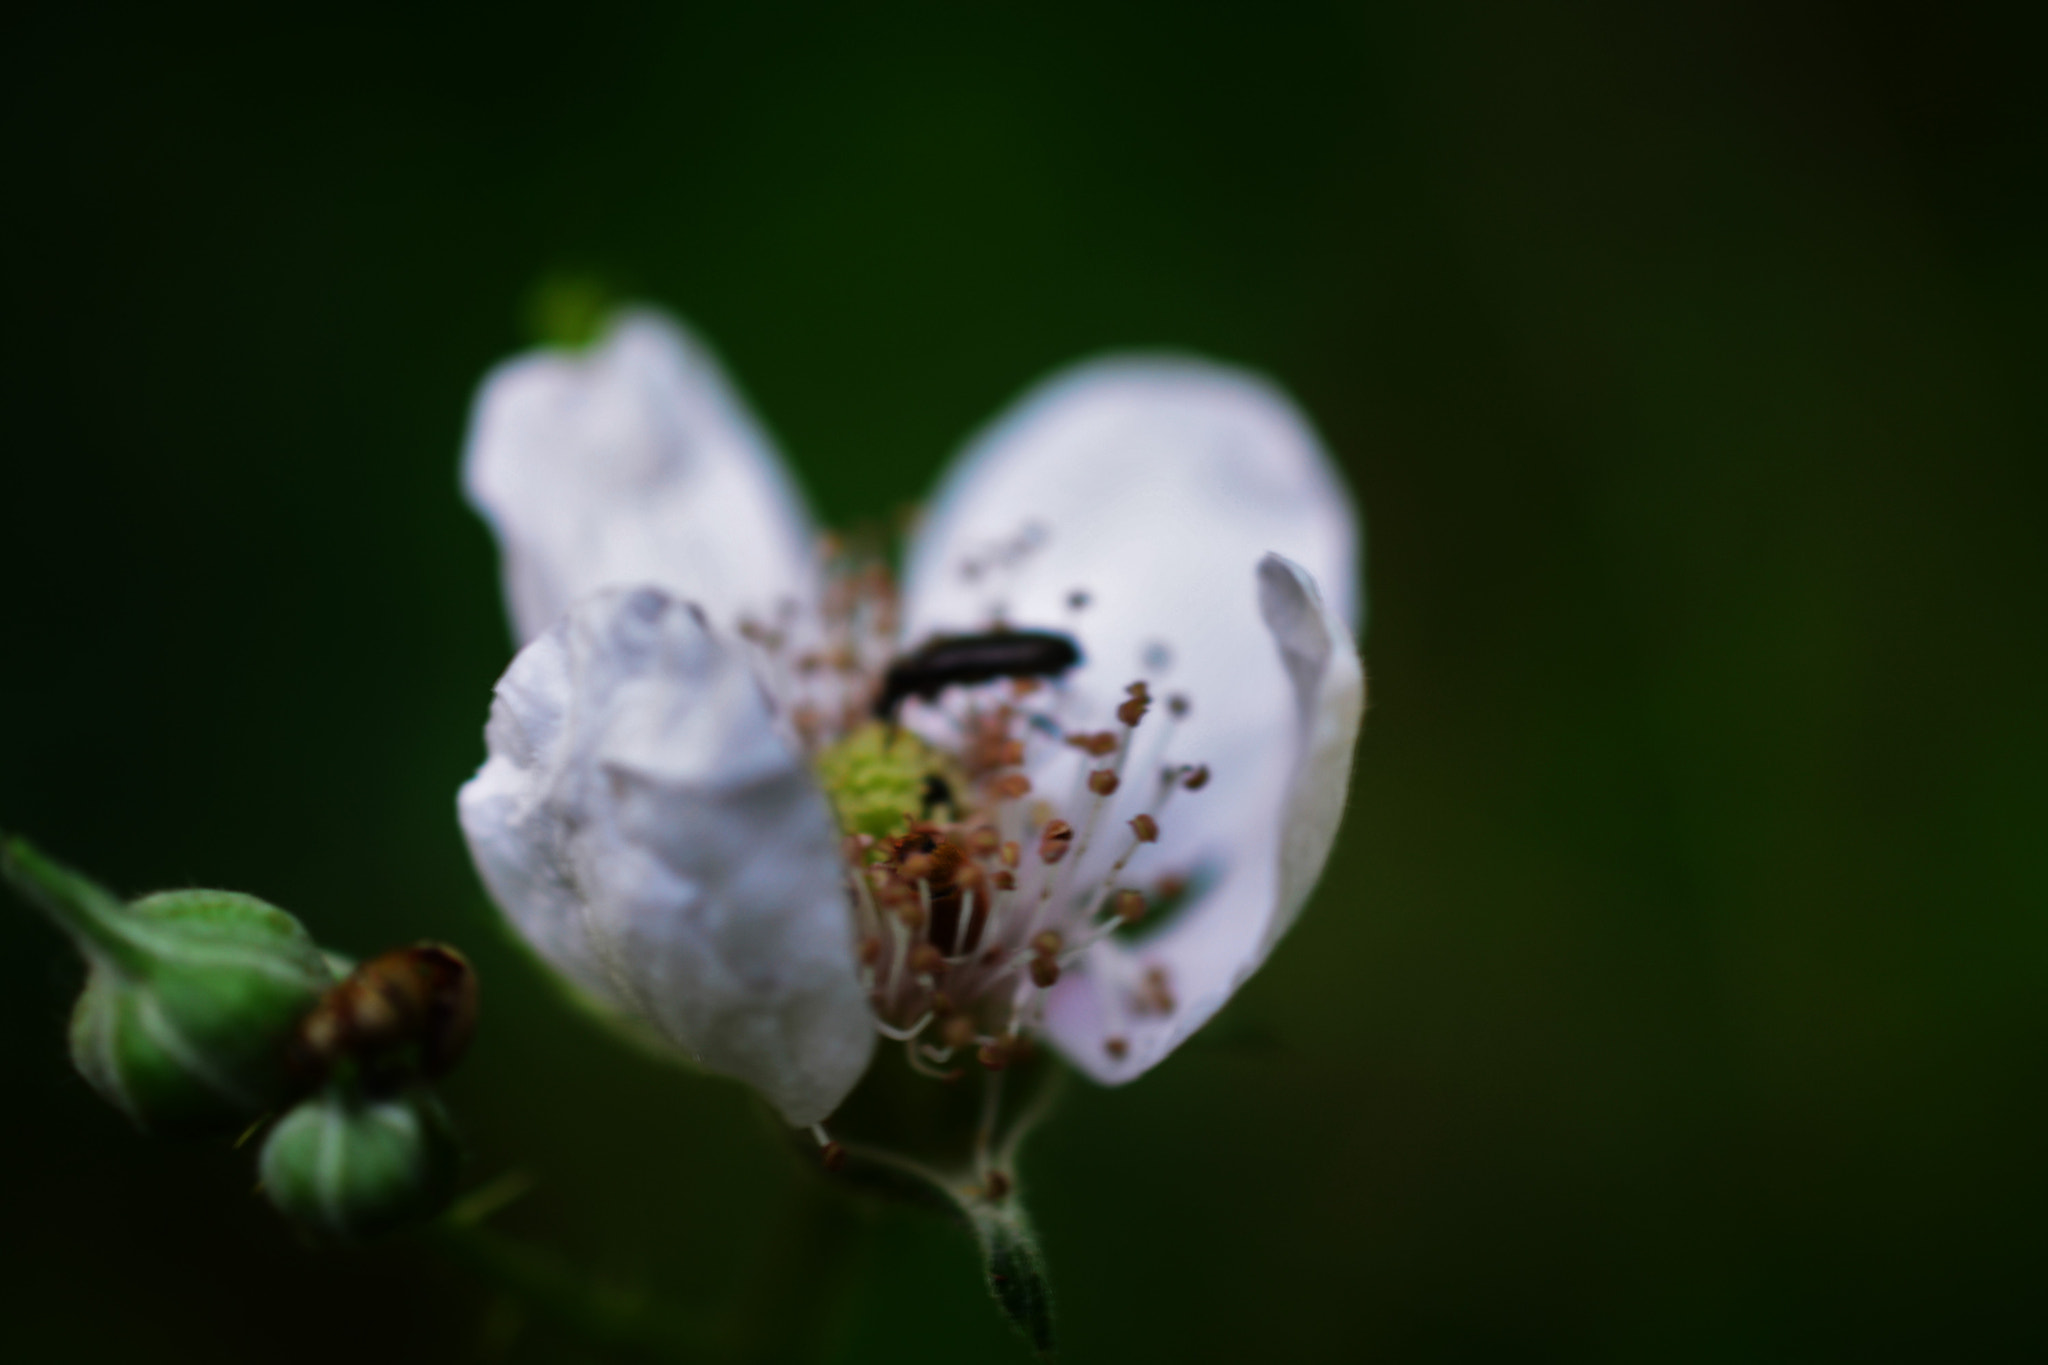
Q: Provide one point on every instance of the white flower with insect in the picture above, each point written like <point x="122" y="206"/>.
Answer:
<point x="1072" y="777"/>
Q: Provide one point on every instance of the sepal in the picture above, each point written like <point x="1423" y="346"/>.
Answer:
<point x="191" y="997"/>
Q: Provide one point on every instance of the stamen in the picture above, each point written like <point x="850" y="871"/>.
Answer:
<point x="1138" y="701"/>
<point x="904" y="1035"/>
<point x="1139" y="838"/>
<point x="924" y="1068"/>
<point x="927" y="962"/>
<point x="1010" y="786"/>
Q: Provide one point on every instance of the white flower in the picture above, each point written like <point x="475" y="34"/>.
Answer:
<point x="678" y="753"/>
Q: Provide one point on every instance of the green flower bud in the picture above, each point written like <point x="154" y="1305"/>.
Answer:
<point x="191" y="997"/>
<point x="354" y="1166"/>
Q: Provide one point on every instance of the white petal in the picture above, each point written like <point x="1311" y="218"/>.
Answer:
<point x="649" y="833"/>
<point x="1159" y="488"/>
<point x="633" y="462"/>
<point x="1223" y="938"/>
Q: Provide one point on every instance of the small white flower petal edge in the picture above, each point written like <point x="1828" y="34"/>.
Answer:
<point x="655" y="837"/>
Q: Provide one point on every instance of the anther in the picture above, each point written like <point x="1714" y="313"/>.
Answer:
<point x="1197" y="777"/>
<point x="983" y="841"/>
<point x="927" y="960"/>
<point x="956" y="1030"/>
<point x="1103" y="781"/>
<point x="1010" y="786"/>
<point x="1045" y="972"/>
<point x="1177" y="706"/>
<point x="1146" y="828"/>
<point x="1117" y="1048"/>
<point x="1012" y="854"/>
<point x="1077" y="600"/>
<point x="1055" y="841"/>
<point x="995" y="1056"/>
<point x="1133" y="710"/>
<point x="1130" y="906"/>
<point x="995" y="1186"/>
<point x="1097" y="745"/>
<point x="833" y="1155"/>
<point x="1004" y="879"/>
<point x="870" y="951"/>
<point x="1157" y="994"/>
<point x="1048" y="943"/>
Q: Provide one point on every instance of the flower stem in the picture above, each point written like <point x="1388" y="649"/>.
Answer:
<point x="94" y="918"/>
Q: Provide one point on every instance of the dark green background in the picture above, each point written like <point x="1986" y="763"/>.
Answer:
<point x="1676" y="991"/>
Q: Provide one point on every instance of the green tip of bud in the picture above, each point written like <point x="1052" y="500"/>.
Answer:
<point x="881" y="772"/>
<point x="569" y="310"/>
<point x="351" y="1166"/>
<point x="191" y="998"/>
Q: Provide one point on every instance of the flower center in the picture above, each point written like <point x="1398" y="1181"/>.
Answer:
<point x="989" y="841"/>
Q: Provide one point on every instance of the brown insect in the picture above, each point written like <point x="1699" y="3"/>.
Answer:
<point x="403" y="1014"/>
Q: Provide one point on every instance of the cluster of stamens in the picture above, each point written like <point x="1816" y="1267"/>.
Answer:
<point x="976" y="899"/>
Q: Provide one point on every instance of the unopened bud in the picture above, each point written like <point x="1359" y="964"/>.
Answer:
<point x="190" y="1000"/>
<point x="352" y="1166"/>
